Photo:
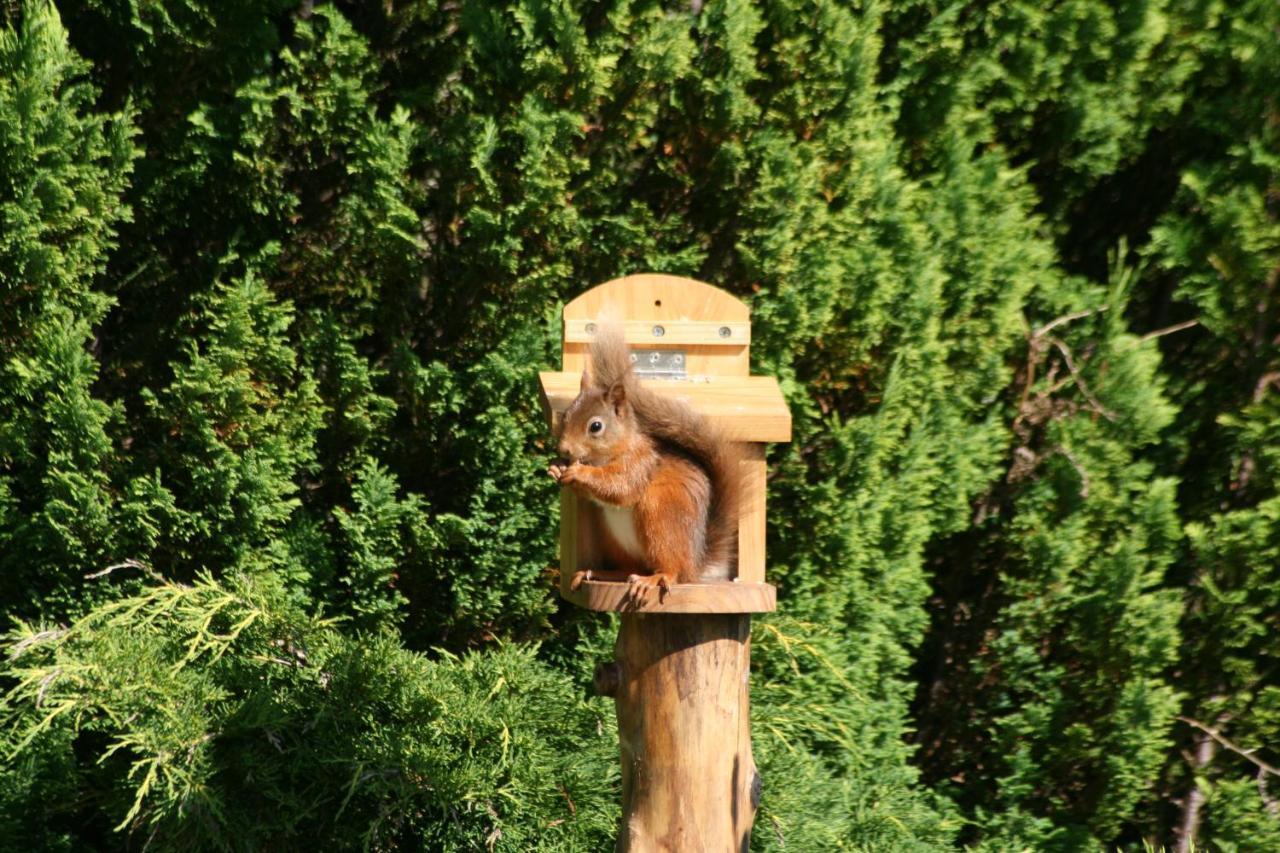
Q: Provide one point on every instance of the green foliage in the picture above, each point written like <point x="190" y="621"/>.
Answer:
<point x="1220" y="243"/>
<point x="277" y="281"/>
<point x="237" y="721"/>
<point x="234" y="428"/>
<point x="63" y="173"/>
<point x="1074" y="87"/>
<point x="843" y="761"/>
<point x="1068" y="676"/>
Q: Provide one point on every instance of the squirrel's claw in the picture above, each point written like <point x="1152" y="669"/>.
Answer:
<point x="639" y="586"/>
<point x="563" y="473"/>
<point x="578" y="577"/>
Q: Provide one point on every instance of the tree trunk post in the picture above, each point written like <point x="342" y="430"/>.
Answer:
<point x="681" y="685"/>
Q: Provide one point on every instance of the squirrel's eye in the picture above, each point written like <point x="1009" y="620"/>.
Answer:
<point x="596" y="426"/>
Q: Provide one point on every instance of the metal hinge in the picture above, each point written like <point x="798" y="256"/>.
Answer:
<point x="659" y="363"/>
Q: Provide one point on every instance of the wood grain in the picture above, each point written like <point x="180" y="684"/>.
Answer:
<point x="653" y="296"/>
<point x="748" y="408"/>
<point x="710" y="597"/>
<point x="640" y="333"/>
<point x="751" y="522"/>
<point x="689" y="780"/>
<point x="641" y="301"/>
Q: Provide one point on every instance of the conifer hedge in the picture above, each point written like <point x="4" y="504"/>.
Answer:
<point x="275" y="282"/>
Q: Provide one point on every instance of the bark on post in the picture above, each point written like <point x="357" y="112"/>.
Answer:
<point x="689" y="782"/>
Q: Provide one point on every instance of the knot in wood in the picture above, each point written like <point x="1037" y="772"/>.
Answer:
<point x="607" y="678"/>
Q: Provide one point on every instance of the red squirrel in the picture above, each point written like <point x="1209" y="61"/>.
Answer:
<point x="663" y="483"/>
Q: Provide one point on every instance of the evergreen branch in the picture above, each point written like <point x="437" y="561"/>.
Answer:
<point x="17" y="649"/>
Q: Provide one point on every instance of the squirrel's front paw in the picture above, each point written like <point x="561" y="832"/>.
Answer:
<point x="578" y="577"/>
<point x="565" y="474"/>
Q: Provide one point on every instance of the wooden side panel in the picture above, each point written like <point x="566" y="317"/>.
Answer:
<point x="751" y="528"/>
<point x="568" y="539"/>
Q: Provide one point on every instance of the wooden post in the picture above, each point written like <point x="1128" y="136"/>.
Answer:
<point x="689" y="782"/>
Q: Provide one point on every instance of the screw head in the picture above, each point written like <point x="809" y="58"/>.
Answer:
<point x="591" y="328"/>
<point x="725" y="331"/>
<point x="659" y="331"/>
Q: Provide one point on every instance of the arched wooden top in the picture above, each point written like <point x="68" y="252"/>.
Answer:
<point x="652" y="296"/>
<point x="708" y="326"/>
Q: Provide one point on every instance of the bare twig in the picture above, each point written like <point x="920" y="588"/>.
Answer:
<point x="1264" y="382"/>
<point x="127" y="564"/>
<point x="1067" y="318"/>
<point x="1246" y="754"/>
<point x="1193" y="803"/>
<point x="44" y="686"/>
<point x="1084" y="389"/>
<point x="1168" y="330"/>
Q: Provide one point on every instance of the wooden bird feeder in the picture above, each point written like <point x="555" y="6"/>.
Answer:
<point x="689" y="782"/>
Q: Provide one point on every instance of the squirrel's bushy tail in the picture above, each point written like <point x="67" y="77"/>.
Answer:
<point x="674" y="423"/>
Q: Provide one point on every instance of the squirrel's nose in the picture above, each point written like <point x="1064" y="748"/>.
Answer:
<point x="563" y="449"/>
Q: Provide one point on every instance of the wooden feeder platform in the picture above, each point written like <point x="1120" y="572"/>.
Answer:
<point x="681" y="676"/>
<point x="691" y="341"/>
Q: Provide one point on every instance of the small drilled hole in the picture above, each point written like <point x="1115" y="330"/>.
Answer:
<point x="657" y="303"/>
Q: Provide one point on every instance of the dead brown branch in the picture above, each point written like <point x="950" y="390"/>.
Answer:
<point x="1246" y="754"/>
<point x="1168" y="330"/>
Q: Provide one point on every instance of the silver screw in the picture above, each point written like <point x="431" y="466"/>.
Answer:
<point x="678" y="358"/>
<point x="725" y="331"/>
<point x="591" y="328"/>
<point x="633" y="358"/>
<point x="653" y="358"/>
<point x="658" y="331"/>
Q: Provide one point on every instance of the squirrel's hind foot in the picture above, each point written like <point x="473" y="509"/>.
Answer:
<point x="642" y="585"/>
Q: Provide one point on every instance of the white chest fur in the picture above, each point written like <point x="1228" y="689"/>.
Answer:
<point x="621" y="524"/>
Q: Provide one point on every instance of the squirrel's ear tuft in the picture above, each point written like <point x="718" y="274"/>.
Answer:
<point x="617" y="396"/>
<point x="586" y="378"/>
